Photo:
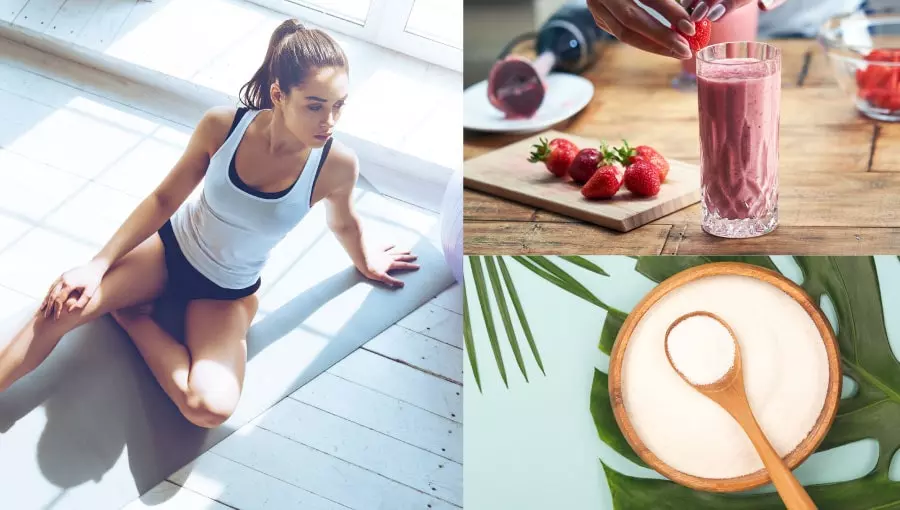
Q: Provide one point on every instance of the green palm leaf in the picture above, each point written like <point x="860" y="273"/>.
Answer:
<point x="467" y="338"/>
<point x="540" y="266"/>
<point x="557" y="276"/>
<point x="585" y="264"/>
<point x="514" y="297"/>
<point x="504" y="314"/>
<point x="481" y="290"/>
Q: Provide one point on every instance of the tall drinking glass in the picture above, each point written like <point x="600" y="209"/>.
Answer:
<point x="739" y="99"/>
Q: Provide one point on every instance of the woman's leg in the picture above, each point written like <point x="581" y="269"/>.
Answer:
<point x="204" y="377"/>
<point x="137" y="277"/>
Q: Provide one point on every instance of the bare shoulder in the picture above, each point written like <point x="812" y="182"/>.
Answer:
<point x="213" y="127"/>
<point x="341" y="168"/>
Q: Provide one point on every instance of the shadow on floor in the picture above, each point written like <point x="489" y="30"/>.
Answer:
<point x="98" y="397"/>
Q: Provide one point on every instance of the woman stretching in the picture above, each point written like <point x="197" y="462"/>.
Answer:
<point x="263" y="167"/>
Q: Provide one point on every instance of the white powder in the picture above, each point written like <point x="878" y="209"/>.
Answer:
<point x="701" y="349"/>
<point x="785" y="369"/>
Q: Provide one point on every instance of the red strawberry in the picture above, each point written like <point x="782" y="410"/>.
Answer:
<point x="879" y="84"/>
<point x="557" y="155"/>
<point x="586" y="163"/>
<point x="893" y="102"/>
<point x="605" y="182"/>
<point x="654" y="158"/>
<point x="628" y="155"/>
<point x="702" y="33"/>
<point x="883" y="55"/>
<point x="642" y="179"/>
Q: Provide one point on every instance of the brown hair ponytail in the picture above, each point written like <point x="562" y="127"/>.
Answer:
<point x="294" y="51"/>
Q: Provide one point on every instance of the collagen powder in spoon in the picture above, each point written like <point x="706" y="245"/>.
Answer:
<point x="785" y="369"/>
<point x="701" y="348"/>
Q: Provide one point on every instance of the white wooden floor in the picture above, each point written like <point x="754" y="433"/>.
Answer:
<point x="380" y="430"/>
<point x="397" y="102"/>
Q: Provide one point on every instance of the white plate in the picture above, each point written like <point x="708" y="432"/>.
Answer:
<point x="566" y="95"/>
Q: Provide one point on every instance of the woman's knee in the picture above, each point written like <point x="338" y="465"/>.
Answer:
<point x="209" y="409"/>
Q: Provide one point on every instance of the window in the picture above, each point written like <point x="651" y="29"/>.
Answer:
<point x="431" y="30"/>
<point x="351" y="10"/>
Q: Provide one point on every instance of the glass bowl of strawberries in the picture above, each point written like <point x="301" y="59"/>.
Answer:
<point x="864" y="51"/>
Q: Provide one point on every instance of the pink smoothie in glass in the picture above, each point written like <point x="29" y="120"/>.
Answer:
<point x="739" y="107"/>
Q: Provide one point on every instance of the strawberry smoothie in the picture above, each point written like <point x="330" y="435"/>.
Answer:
<point x="739" y="96"/>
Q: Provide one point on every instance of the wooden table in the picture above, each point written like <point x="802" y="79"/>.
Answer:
<point x="839" y="171"/>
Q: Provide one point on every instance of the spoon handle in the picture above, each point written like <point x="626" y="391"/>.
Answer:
<point x="792" y="493"/>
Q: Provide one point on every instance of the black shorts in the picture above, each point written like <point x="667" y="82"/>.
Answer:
<point x="186" y="283"/>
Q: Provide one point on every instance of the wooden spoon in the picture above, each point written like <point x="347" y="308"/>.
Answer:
<point x="729" y="392"/>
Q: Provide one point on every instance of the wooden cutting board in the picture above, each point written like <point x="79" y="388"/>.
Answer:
<point x="506" y="173"/>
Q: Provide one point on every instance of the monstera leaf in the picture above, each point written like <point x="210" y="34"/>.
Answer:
<point x="851" y="284"/>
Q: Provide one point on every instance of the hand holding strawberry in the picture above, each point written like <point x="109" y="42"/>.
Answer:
<point x="632" y="25"/>
<point x="702" y="34"/>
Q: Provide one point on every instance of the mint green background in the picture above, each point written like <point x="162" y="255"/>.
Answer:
<point x="534" y="446"/>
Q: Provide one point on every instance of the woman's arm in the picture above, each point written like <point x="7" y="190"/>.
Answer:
<point x="342" y="169"/>
<point x="340" y="214"/>
<point x="159" y="206"/>
<point x="76" y="287"/>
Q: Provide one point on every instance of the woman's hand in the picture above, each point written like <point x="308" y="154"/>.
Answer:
<point x="632" y="25"/>
<point x="715" y="9"/>
<point x="73" y="289"/>
<point x="386" y="260"/>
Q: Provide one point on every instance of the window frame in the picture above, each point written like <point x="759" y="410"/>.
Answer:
<point x="385" y="26"/>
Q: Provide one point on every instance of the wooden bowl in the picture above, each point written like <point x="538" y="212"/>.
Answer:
<point x="757" y="478"/>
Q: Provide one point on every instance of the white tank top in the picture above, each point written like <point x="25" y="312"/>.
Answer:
<point x="228" y="232"/>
